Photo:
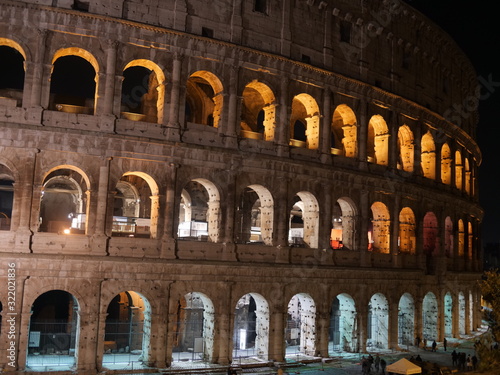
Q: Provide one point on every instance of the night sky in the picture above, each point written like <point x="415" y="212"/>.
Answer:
<point x="474" y="26"/>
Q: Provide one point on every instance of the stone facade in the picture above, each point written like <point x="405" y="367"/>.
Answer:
<point x="185" y="170"/>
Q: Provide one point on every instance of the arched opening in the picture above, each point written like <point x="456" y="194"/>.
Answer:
<point x="405" y="148"/>
<point x="73" y="84"/>
<point x="199" y="211"/>
<point x="251" y="328"/>
<point x="53" y="332"/>
<point x="127" y="332"/>
<point x="428" y="156"/>
<point x="300" y="332"/>
<point x="343" y="329"/>
<point x="12" y="73"/>
<point x="470" y="240"/>
<point x="406" y="320"/>
<point x="64" y="201"/>
<point x="471" y="311"/>
<point x="407" y="237"/>
<point x="448" y="315"/>
<point x="461" y="314"/>
<point x="378" y="323"/>
<point x="143" y="92"/>
<point x="431" y="240"/>
<point x="136" y="206"/>
<point x="258" y="112"/>
<point x="343" y="224"/>
<point x="6" y="197"/>
<point x="304" y="122"/>
<point x="458" y="170"/>
<point x="429" y="318"/>
<point x="194" y="329"/>
<point x="468" y="174"/>
<point x="461" y="239"/>
<point x="304" y="221"/>
<point x="256" y="212"/>
<point x="378" y="141"/>
<point x="446" y="161"/>
<point x="204" y="98"/>
<point x="343" y="138"/>
<point x="379" y="230"/>
<point x="448" y="237"/>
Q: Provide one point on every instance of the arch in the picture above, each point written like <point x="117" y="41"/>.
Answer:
<point x="429" y="317"/>
<point x="258" y="112"/>
<point x="470" y="240"/>
<point x="378" y="322"/>
<point x="446" y="160"/>
<point x="204" y="98"/>
<point x="305" y="113"/>
<point x="406" y="320"/>
<point x="448" y="315"/>
<point x="431" y="240"/>
<point x="468" y="175"/>
<point x="304" y="220"/>
<point x="300" y="332"/>
<point x="379" y="231"/>
<point x="194" y="329"/>
<point x="461" y="314"/>
<point x="405" y="148"/>
<point x="428" y="156"/>
<point x="343" y="224"/>
<point x="6" y="197"/>
<point x="459" y="168"/>
<point x="13" y="44"/>
<point x="143" y="91"/>
<point x="407" y="236"/>
<point x="54" y="332"/>
<point x="12" y="73"/>
<point x="448" y="237"/>
<point x="200" y="202"/>
<point x="378" y="141"/>
<point x="461" y="238"/>
<point x="344" y="132"/>
<point x="343" y="330"/>
<point x="251" y="327"/>
<point x="127" y="331"/>
<point x="256" y="215"/>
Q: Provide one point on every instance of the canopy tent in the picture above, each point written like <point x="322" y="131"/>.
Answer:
<point x="403" y="366"/>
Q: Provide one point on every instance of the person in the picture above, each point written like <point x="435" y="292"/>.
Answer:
<point x="474" y="362"/>
<point x="377" y="363"/>
<point x="469" y="363"/>
<point x="454" y="358"/>
<point x="382" y="366"/>
<point x="434" y="346"/>
<point x="364" y="365"/>
<point x="370" y="363"/>
<point x="417" y="341"/>
<point x="444" y="343"/>
<point x="418" y="359"/>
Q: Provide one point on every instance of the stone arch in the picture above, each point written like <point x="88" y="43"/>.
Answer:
<point x="406" y="320"/>
<point x="136" y="206"/>
<point x="459" y="168"/>
<point x="378" y="322"/>
<point x="431" y="239"/>
<point x="461" y="314"/>
<point x="256" y="215"/>
<point x="343" y="224"/>
<point x="258" y="112"/>
<point x="448" y="237"/>
<point x="461" y="238"/>
<point x="343" y="136"/>
<point x="429" y="318"/>
<point x="143" y="91"/>
<point x="64" y="201"/>
<point x="195" y="327"/>
<point x="428" y="156"/>
<point x="468" y="174"/>
<point x="470" y="240"/>
<point x="127" y="331"/>
<point x="446" y="161"/>
<point x="53" y="331"/>
<point x="304" y="220"/>
<point x="74" y="92"/>
<point x="379" y="231"/>
<point x="200" y="202"/>
<point x="305" y="113"/>
<point x="407" y="236"/>
<point x="7" y="192"/>
<point x="204" y="98"/>
<point x="448" y="315"/>
<point x="343" y="329"/>
<point x="378" y="141"/>
<point x="405" y="148"/>
<point x="12" y="76"/>
<point x="15" y="45"/>
<point x="300" y="331"/>
<point x="251" y="327"/>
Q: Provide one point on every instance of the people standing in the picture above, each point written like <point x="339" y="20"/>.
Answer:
<point x="445" y="343"/>
<point x="474" y="362"/>
<point x="377" y="363"/>
<point x="454" y="358"/>
<point x="434" y="345"/>
<point x="469" y="363"/>
<point x="382" y="366"/>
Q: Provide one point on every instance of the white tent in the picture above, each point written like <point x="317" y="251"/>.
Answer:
<point x="403" y="366"/>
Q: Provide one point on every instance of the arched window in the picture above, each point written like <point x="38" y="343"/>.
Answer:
<point x="256" y="212"/>
<point x="428" y="156"/>
<point x="304" y="122"/>
<point x="344" y="132"/>
<point x="407" y="237"/>
<point x="343" y="224"/>
<point x="405" y="148"/>
<point x="204" y="98"/>
<point x="458" y="170"/>
<point x="11" y="73"/>
<point x="6" y="197"/>
<point x="379" y="232"/>
<point x="258" y="112"/>
<point x="431" y="240"/>
<point x="446" y="161"/>
<point x="304" y="220"/>
<point x="378" y="141"/>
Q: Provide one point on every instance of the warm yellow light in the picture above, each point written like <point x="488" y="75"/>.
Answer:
<point x="67" y="231"/>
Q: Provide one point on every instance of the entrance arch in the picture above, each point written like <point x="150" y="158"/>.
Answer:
<point x="343" y="329"/>
<point x="300" y="333"/>
<point x="448" y="315"/>
<point x="406" y="320"/>
<point x="378" y="322"/>
<point x="429" y="318"/>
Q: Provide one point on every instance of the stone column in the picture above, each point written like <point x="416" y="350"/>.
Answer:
<point x="173" y="131"/>
<point x="325" y="222"/>
<point x="231" y="127"/>
<point x="229" y="247"/>
<point x="455" y="328"/>
<point x="362" y="130"/>
<point x="361" y="318"/>
<point x="87" y="343"/>
<point x="322" y="326"/>
<point x="326" y="126"/>
<point x="223" y="341"/>
<point x="36" y="78"/>
<point x="418" y="332"/>
<point x="105" y="104"/>
<point x="100" y="237"/>
<point x="394" y="231"/>
<point x="282" y="120"/>
<point x="276" y="333"/>
<point x="101" y="329"/>
<point x="365" y="256"/>
<point x="393" y="142"/>
<point x="168" y="246"/>
<point x="281" y="218"/>
<point x="393" y="326"/>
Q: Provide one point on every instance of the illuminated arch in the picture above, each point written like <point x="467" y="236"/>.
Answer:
<point x="344" y="132"/>
<point x="406" y="148"/>
<point x="301" y="325"/>
<point x="468" y="174"/>
<point x="431" y="240"/>
<point x="13" y="44"/>
<point x="204" y="98"/>
<point x="342" y="235"/>
<point x="448" y="237"/>
<point x="258" y="114"/>
<point x="407" y="237"/>
<point x="428" y="156"/>
<point x="446" y="160"/>
<point x="461" y="238"/>
<point x="458" y="170"/>
<point x="305" y="113"/>
<point x="304" y="220"/>
<point x="378" y="141"/>
<point x="256" y="215"/>
<point x="380" y="228"/>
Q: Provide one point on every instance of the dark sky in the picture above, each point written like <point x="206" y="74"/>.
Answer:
<point x="475" y="27"/>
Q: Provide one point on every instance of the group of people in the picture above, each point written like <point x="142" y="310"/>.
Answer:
<point x="378" y="364"/>
<point x="463" y="361"/>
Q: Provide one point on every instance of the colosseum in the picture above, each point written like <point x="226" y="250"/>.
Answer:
<point x="205" y="183"/>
